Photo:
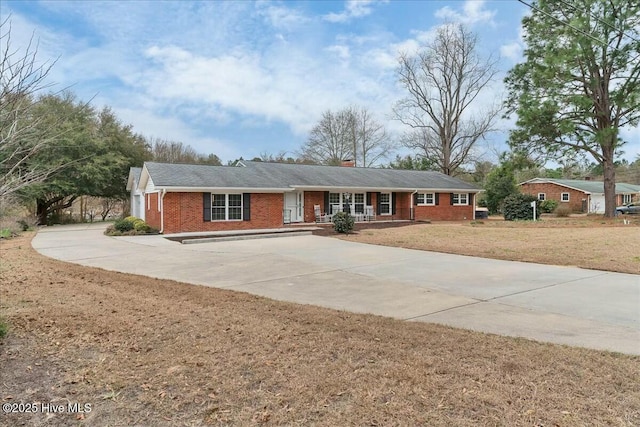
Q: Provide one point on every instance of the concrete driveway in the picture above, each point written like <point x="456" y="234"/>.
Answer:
<point x="565" y="305"/>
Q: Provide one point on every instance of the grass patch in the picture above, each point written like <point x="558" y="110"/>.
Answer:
<point x="145" y="351"/>
<point x="587" y="242"/>
<point x="4" y="327"/>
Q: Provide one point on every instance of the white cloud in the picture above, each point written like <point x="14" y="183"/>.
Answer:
<point x="472" y="12"/>
<point x="170" y="128"/>
<point x="267" y="88"/>
<point x="631" y="135"/>
<point x="341" y="51"/>
<point x="353" y="9"/>
<point x="281" y="17"/>
<point x="512" y="51"/>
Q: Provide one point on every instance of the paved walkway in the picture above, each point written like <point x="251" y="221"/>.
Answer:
<point x="566" y="305"/>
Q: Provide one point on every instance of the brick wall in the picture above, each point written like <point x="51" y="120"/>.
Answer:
<point x="152" y="213"/>
<point x="445" y="211"/>
<point x="183" y="212"/>
<point x="312" y="198"/>
<point x="553" y="192"/>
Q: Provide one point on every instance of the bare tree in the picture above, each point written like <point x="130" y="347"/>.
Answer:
<point x="21" y="78"/>
<point x="330" y="141"/>
<point x="443" y="80"/>
<point x="372" y="143"/>
<point x="351" y="133"/>
<point x="177" y="152"/>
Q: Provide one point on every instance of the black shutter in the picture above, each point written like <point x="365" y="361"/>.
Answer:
<point x="415" y="198"/>
<point x="437" y="196"/>
<point x="393" y="203"/>
<point x="246" y="206"/>
<point x="377" y="203"/>
<point x="327" y="208"/>
<point x="451" y="198"/>
<point x="469" y="196"/>
<point x="368" y="199"/>
<point x="206" y="206"/>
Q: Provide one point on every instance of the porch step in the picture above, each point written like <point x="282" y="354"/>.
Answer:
<point x="244" y="236"/>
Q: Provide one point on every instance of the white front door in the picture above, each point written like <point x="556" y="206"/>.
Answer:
<point x="294" y="206"/>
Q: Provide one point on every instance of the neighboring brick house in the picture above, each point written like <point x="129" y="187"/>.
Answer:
<point x="580" y="195"/>
<point x="254" y="195"/>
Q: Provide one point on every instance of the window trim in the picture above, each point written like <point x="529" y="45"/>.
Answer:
<point x="389" y="203"/>
<point x="424" y="199"/>
<point x="562" y="197"/>
<point x="227" y="207"/>
<point x="458" y="196"/>
<point x="350" y="201"/>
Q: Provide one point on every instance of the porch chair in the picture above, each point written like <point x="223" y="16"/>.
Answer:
<point x="320" y="217"/>
<point x="356" y="216"/>
<point x="369" y="213"/>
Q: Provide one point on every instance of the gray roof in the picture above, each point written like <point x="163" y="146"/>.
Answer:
<point x="136" y="173"/>
<point x="589" y="186"/>
<point x="134" y="177"/>
<point x="283" y="175"/>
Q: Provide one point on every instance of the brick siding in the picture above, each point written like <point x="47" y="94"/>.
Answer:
<point x="312" y="198"/>
<point x="183" y="212"/>
<point x="151" y="211"/>
<point x="445" y="211"/>
<point x="553" y="192"/>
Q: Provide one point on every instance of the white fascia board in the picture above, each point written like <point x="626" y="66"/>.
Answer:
<point x="144" y="177"/>
<point x="536" y="181"/>
<point x="223" y="189"/>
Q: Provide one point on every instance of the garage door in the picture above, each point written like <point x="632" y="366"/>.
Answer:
<point x="597" y="203"/>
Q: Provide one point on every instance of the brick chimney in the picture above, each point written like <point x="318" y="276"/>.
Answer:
<point x="348" y="163"/>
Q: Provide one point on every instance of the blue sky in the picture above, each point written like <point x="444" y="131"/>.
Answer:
<point x="240" y="78"/>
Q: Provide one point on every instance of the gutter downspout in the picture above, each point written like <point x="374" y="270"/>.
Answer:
<point x="164" y="191"/>
<point x="413" y="203"/>
<point x="475" y="196"/>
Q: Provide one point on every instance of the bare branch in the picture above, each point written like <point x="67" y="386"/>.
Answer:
<point x="443" y="81"/>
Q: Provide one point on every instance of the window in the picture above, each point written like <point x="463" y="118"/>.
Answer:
<point x="344" y="201"/>
<point x="426" y="199"/>
<point x="460" y="199"/>
<point x="385" y="203"/>
<point x="564" y="197"/>
<point x="226" y="207"/>
<point x="358" y="202"/>
<point x="626" y="199"/>
<point x="541" y="196"/>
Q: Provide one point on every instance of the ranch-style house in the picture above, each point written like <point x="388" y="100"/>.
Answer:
<point x="256" y="195"/>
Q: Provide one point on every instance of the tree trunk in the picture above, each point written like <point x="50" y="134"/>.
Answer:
<point x="41" y="211"/>
<point x="609" y="187"/>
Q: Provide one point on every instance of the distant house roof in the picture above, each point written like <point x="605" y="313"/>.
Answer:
<point x="134" y="177"/>
<point x="590" y="187"/>
<point x="286" y="177"/>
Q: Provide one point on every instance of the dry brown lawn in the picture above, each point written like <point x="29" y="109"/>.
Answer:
<point x="149" y="352"/>
<point x="587" y="242"/>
